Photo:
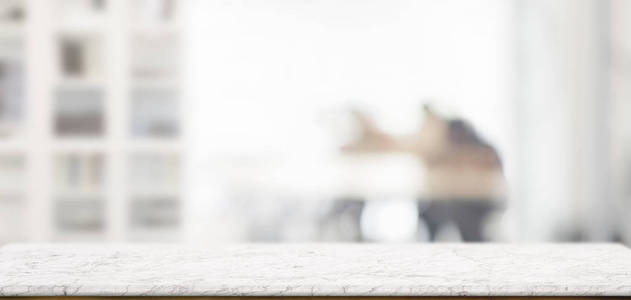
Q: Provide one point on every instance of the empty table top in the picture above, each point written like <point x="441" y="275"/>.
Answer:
<point x="315" y="270"/>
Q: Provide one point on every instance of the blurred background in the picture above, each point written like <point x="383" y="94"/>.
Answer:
<point x="315" y="121"/>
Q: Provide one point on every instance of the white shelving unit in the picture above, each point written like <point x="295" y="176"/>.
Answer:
<point x="81" y="128"/>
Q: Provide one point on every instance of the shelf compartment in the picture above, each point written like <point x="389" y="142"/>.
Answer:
<point x="150" y="170"/>
<point x="13" y="216"/>
<point x="79" y="214"/>
<point x="81" y="56"/>
<point x="12" y="12"/>
<point x="79" y="112"/>
<point x="154" y="113"/>
<point x="154" y="212"/>
<point x="153" y="12"/>
<point x="154" y="56"/>
<point x="79" y="172"/>
<point x="81" y="14"/>
<point x="12" y="172"/>
<point x="11" y="86"/>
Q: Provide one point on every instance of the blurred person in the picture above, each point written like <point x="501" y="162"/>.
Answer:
<point x="463" y="180"/>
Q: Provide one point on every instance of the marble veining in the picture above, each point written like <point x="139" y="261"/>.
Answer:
<point x="315" y="270"/>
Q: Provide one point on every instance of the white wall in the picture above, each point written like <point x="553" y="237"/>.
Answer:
<point x="562" y="112"/>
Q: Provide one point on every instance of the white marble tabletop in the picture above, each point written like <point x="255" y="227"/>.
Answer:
<point x="316" y="270"/>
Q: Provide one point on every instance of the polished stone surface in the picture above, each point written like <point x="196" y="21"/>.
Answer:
<point x="315" y="270"/>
